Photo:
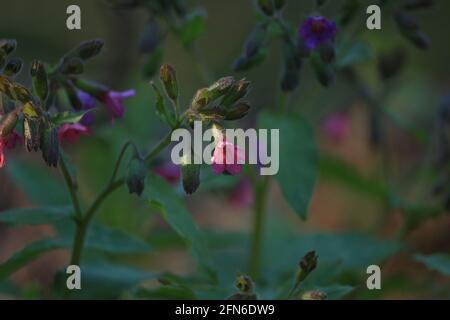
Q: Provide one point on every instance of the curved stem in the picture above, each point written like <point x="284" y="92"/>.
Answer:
<point x="71" y="186"/>
<point x="258" y="224"/>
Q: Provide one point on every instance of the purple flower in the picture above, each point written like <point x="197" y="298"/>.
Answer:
<point x="227" y="158"/>
<point x="317" y="30"/>
<point x="113" y="101"/>
<point x="337" y="127"/>
<point x="88" y="103"/>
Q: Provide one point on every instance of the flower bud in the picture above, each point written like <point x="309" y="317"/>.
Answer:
<point x="220" y="87"/>
<point x="410" y="29"/>
<point x="324" y="72"/>
<point x="87" y="49"/>
<point x="237" y="111"/>
<point x="13" y="67"/>
<point x="238" y="91"/>
<point x="136" y="174"/>
<point x="307" y="265"/>
<point x="201" y="99"/>
<point x="168" y="77"/>
<point x="50" y="145"/>
<point x="40" y="80"/>
<point x="31" y="129"/>
<point x="8" y="123"/>
<point x="190" y="173"/>
<point x="314" y="295"/>
<point x="8" y="45"/>
<point x="244" y="284"/>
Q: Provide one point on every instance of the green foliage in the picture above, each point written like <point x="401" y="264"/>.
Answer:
<point x="192" y="27"/>
<point x="299" y="160"/>
<point x="160" y="195"/>
<point x="436" y="262"/>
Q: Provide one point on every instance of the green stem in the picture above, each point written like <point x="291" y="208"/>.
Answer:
<point x="258" y="224"/>
<point x="71" y="187"/>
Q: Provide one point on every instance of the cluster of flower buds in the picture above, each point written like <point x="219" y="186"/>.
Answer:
<point x="246" y="289"/>
<point x="165" y="16"/>
<point x="314" y="40"/>
<point x="211" y="105"/>
<point x="306" y="266"/>
<point x="39" y="114"/>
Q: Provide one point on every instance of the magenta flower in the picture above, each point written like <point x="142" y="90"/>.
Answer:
<point x="169" y="172"/>
<point x="88" y="103"/>
<point x="72" y="132"/>
<point x="12" y="140"/>
<point x="317" y="30"/>
<point x="2" y="154"/>
<point x="227" y="158"/>
<point x="242" y="195"/>
<point x="336" y="127"/>
<point x="113" y="101"/>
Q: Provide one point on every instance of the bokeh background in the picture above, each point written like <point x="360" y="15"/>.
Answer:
<point x="353" y="212"/>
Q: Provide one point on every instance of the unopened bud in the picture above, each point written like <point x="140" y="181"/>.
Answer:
<point x="71" y="65"/>
<point x="220" y="87"/>
<point x="8" y="45"/>
<point x="244" y="284"/>
<point x="87" y="49"/>
<point x="50" y="146"/>
<point x="136" y="174"/>
<point x="168" y="77"/>
<point x="201" y="99"/>
<point x="238" y="91"/>
<point x="190" y="173"/>
<point x="13" y="67"/>
<point x="8" y="123"/>
<point x="307" y="265"/>
<point x="237" y="111"/>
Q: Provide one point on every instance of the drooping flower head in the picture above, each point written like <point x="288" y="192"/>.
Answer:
<point x="227" y="158"/>
<point x="336" y="127"/>
<point x="317" y="30"/>
<point x="113" y="101"/>
<point x="71" y="132"/>
<point x="88" y="103"/>
<point x="169" y="172"/>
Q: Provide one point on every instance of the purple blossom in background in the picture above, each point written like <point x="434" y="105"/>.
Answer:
<point x="337" y="127"/>
<point x="317" y="30"/>
<point x="88" y="103"/>
<point x="113" y="101"/>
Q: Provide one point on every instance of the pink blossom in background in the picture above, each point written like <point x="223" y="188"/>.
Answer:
<point x="242" y="194"/>
<point x="226" y="158"/>
<point x="72" y="132"/>
<point x="2" y="154"/>
<point x="337" y="127"/>
<point x="169" y="172"/>
<point x="12" y="140"/>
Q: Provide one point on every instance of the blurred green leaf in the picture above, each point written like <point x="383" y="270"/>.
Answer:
<point x="358" y="52"/>
<point x="436" y="262"/>
<point x="68" y="117"/>
<point x="161" y="195"/>
<point x="28" y="254"/>
<point x="192" y="28"/>
<point x="172" y="292"/>
<point x="41" y="187"/>
<point x="299" y="159"/>
<point x="152" y="62"/>
<point x="34" y="216"/>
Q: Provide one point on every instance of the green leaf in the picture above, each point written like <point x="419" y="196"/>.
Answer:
<point x="437" y="262"/>
<point x="298" y="157"/>
<point x="28" y="254"/>
<point x="39" y="186"/>
<point x="161" y="109"/>
<point x="104" y="280"/>
<point x="40" y="80"/>
<point x="161" y="195"/>
<point x="68" y="117"/>
<point x="34" y="216"/>
<point x="192" y="28"/>
<point x="109" y="240"/>
<point x="359" y="52"/>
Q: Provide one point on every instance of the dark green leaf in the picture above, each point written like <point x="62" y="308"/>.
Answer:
<point x="298" y="159"/>
<point x="153" y="61"/>
<point x="192" y="28"/>
<point x="161" y="195"/>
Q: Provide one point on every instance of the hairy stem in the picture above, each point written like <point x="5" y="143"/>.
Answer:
<point x="71" y="187"/>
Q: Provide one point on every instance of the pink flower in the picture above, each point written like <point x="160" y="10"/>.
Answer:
<point x="12" y="140"/>
<point x="2" y="154"/>
<point x="227" y="158"/>
<point x="113" y="101"/>
<point x="242" y="195"/>
<point x="72" y="132"/>
<point x="336" y="127"/>
<point x="169" y="172"/>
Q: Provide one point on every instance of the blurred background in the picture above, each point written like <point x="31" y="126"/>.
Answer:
<point x="372" y="198"/>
